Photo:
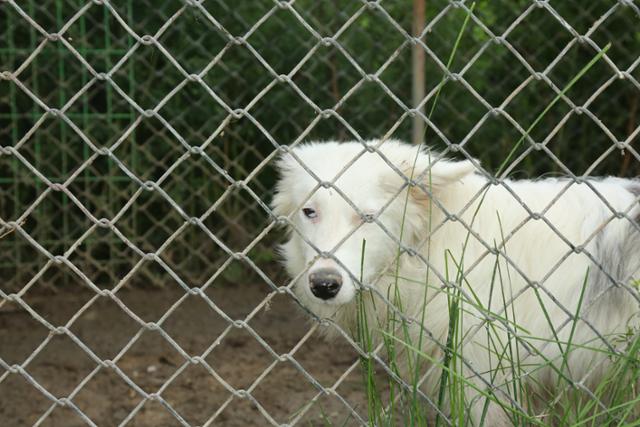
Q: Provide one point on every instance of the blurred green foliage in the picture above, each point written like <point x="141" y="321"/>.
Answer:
<point x="505" y="42"/>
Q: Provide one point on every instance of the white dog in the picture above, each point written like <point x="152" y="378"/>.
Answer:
<point x="524" y="256"/>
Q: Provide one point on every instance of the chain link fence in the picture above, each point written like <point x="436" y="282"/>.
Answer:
<point x="137" y="149"/>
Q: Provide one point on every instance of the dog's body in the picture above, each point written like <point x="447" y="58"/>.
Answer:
<point x="541" y="243"/>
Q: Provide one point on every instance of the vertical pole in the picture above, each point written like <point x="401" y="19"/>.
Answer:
<point x="133" y="224"/>
<point x="17" y="270"/>
<point x="65" y="140"/>
<point x="35" y="114"/>
<point x="110" y="180"/>
<point x="417" y="70"/>
<point x="86" y="186"/>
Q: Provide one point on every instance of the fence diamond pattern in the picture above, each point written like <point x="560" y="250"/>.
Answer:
<point x="137" y="143"/>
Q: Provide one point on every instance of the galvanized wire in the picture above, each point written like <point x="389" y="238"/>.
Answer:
<point x="235" y="174"/>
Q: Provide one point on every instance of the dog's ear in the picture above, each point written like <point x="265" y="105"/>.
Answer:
<point x="282" y="204"/>
<point x="444" y="172"/>
<point x="435" y="175"/>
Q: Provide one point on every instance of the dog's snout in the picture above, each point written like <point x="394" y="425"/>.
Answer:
<point x="325" y="283"/>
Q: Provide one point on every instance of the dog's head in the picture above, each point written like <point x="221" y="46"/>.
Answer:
<point x="338" y="196"/>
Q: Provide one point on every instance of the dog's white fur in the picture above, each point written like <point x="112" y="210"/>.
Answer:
<point x="540" y="252"/>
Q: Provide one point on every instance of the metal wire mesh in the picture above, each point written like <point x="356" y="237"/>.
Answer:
<point x="137" y="143"/>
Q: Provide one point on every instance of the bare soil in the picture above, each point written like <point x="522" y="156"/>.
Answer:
<point x="146" y="362"/>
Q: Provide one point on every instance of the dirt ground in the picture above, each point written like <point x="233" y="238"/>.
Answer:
<point x="59" y="366"/>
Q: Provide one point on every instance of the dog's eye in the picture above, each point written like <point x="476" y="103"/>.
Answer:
<point x="309" y="213"/>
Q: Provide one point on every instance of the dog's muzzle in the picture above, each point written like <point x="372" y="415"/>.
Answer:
<point x="325" y="282"/>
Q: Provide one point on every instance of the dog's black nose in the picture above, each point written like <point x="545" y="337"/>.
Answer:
<point x="325" y="282"/>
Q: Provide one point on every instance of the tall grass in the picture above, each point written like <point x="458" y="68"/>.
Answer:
<point x="612" y="403"/>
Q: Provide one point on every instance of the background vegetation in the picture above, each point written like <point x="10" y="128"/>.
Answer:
<point x="244" y="76"/>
